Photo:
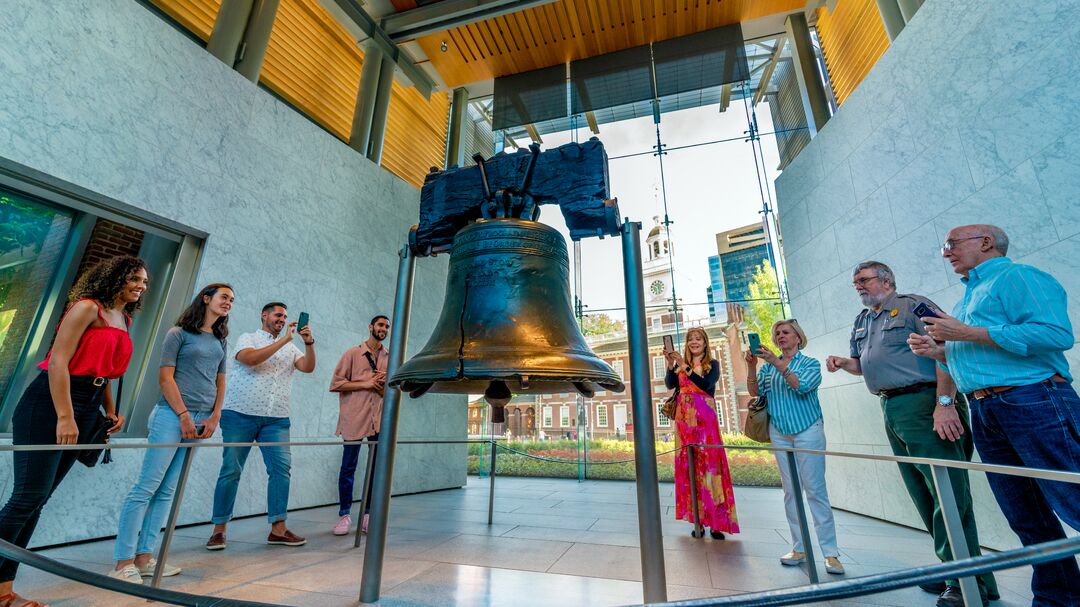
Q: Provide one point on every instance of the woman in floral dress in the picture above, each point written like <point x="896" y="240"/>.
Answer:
<point x="695" y="374"/>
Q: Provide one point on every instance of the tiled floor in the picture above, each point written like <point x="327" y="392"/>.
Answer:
<point x="553" y="541"/>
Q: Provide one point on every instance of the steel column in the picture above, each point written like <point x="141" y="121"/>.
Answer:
<point x="459" y="113"/>
<point x="256" y="38"/>
<point x="954" y="529"/>
<point x="375" y="549"/>
<point x="691" y="470"/>
<point x="891" y="17"/>
<point x="800" y="508"/>
<point x="228" y="32"/>
<point x="365" y="495"/>
<point x="360" y="136"/>
<point x="908" y="8"/>
<point x="811" y="86"/>
<point x="380" y="111"/>
<point x="491" y="485"/>
<point x="654" y="576"/>
<point x="174" y="512"/>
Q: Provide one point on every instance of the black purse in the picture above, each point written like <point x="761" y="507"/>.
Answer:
<point x="98" y="434"/>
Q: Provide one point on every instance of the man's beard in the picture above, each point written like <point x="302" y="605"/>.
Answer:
<point x="870" y="301"/>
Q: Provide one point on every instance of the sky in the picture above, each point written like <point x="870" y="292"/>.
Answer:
<point x="710" y="189"/>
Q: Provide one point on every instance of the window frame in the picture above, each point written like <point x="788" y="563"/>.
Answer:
<point x="601" y="416"/>
<point x="547" y="416"/>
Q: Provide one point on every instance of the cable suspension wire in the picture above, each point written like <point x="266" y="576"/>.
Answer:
<point x="663" y="194"/>
<point x="766" y="209"/>
<point x="697" y="145"/>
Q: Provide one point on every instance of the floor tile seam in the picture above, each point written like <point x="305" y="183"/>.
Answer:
<point x="559" y="558"/>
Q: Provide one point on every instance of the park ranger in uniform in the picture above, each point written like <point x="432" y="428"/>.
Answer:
<point x="923" y="417"/>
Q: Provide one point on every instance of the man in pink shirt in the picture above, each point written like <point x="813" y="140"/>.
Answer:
<point x="359" y="380"/>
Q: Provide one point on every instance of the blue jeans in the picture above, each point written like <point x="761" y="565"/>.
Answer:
<point x="242" y="428"/>
<point x="1035" y="426"/>
<point x="347" y="475"/>
<point x="146" y="506"/>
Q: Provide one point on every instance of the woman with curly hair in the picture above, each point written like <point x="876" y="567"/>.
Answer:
<point x="694" y="375"/>
<point x="92" y="347"/>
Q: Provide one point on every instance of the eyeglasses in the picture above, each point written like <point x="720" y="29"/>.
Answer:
<point x="862" y="282"/>
<point x="950" y="244"/>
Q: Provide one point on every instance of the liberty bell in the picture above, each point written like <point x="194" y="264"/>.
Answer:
<point x="507" y="324"/>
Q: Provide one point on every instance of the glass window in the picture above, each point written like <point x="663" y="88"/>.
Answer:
<point x="32" y="250"/>
<point x="564" y="416"/>
<point x="662" y="420"/>
<point x="719" y="412"/>
<point x="547" y="417"/>
<point x="601" y="416"/>
<point x="659" y="369"/>
<point x="618" y="366"/>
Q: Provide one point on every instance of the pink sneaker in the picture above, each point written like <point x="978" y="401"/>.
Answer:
<point x="342" y="526"/>
<point x="366" y="516"/>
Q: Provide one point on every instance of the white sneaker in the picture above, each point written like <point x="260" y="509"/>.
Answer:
<point x="166" y="571"/>
<point x="129" y="573"/>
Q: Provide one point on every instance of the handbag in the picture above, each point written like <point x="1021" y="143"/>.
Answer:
<point x="757" y="420"/>
<point x="98" y="434"/>
<point x="670" y="404"/>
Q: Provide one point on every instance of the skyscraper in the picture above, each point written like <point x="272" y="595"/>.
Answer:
<point x="739" y="252"/>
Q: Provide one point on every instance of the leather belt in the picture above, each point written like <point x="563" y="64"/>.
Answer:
<point x="982" y="393"/>
<point x="919" y="387"/>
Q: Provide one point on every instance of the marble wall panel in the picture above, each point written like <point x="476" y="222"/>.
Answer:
<point x="973" y="114"/>
<point x="107" y="95"/>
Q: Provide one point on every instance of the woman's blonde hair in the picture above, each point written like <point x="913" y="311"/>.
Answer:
<point x="794" y="324"/>
<point x="706" y="356"/>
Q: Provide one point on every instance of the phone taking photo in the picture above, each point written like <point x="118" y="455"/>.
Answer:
<point x="302" y="321"/>
<point x="922" y="311"/>
<point x="669" y="344"/>
<point x="754" y="340"/>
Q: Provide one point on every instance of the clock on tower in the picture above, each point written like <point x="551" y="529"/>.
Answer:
<point x="657" y="287"/>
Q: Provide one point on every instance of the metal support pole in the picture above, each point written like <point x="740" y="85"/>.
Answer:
<point x="955" y="530"/>
<point x="360" y="136"/>
<point x="908" y="8"/>
<point x="811" y="85"/>
<point x="256" y="39"/>
<point x="653" y="574"/>
<point x="804" y="529"/>
<point x="384" y="464"/>
<point x="891" y="17"/>
<point x="381" y="110"/>
<point x="491" y="485"/>
<point x="365" y="495"/>
<point x="174" y="512"/>
<point x="228" y="32"/>
<point x="459" y="112"/>
<point x="691" y="468"/>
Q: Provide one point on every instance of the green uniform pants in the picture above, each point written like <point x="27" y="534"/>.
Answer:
<point x="909" y="424"/>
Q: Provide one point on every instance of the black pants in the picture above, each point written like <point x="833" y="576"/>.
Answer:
<point x="37" y="474"/>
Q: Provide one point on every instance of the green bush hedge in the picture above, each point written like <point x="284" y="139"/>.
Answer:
<point x="748" y="468"/>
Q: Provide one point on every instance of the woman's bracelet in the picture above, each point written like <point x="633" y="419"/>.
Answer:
<point x="751" y="380"/>
<point x="182" y="413"/>
<point x="786" y="372"/>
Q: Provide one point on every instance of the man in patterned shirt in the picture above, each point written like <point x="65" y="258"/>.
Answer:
<point x="256" y="409"/>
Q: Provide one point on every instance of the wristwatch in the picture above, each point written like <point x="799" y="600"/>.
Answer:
<point x="944" y="400"/>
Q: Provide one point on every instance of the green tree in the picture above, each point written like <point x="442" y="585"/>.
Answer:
<point x="599" y="324"/>
<point x="764" y="308"/>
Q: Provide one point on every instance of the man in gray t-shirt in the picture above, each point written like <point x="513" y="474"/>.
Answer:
<point x="197" y="360"/>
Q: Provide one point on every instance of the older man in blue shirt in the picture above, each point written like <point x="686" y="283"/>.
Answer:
<point x="1005" y="347"/>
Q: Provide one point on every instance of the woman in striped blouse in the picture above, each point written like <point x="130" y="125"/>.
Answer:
<point x="790" y="381"/>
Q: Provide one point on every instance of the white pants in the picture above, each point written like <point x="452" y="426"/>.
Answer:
<point x="812" y="477"/>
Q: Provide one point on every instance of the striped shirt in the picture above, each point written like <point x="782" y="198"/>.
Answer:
<point x="1025" y="311"/>
<point x="792" y="411"/>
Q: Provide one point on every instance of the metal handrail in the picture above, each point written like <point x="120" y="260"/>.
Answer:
<point x="964" y="567"/>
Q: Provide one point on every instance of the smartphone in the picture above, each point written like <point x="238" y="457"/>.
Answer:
<point x="669" y="344"/>
<point x="302" y="321"/>
<point x="922" y="310"/>
<point x="199" y="429"/>
<point x="754" y="341"/>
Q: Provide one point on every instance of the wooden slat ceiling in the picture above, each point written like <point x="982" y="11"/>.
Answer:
<point x="852" y="38"/>
<point x="314" y="64"/>
<point x="567" y="30"/>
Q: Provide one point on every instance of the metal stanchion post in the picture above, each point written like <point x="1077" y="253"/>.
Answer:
<point x="174" y="512"/>
<point x="365" y="495"/>
<point x="653" y="573"/>
<point x="691" y="467"/>
<point x="804" y="529"/>
<point x="955" y="530"/>
<point x="375" y="548"/>
<point x="491" y="486"/>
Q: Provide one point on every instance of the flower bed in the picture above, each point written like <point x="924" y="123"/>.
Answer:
<point x="612" y="460"/>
